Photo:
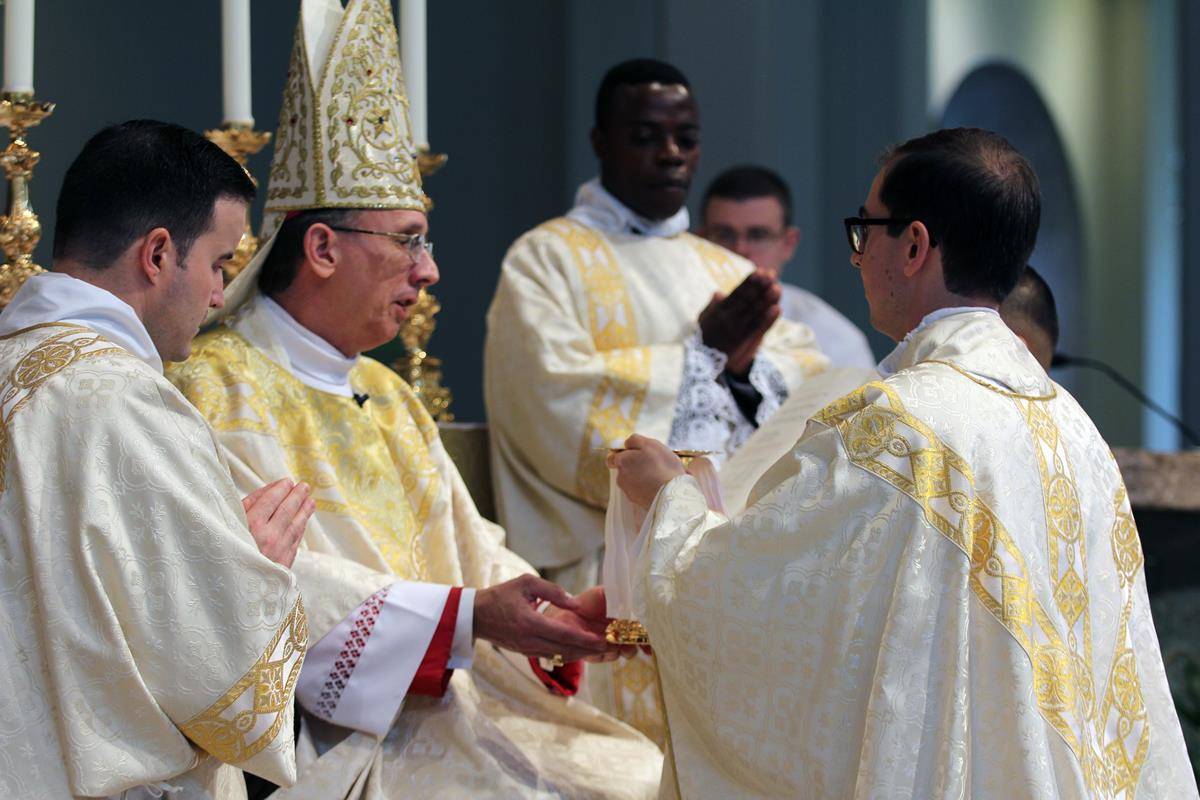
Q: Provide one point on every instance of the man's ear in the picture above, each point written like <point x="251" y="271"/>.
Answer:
<point x="321" y="250"/>
<point x="917" y="241"/>
<point x="155" y="252"/>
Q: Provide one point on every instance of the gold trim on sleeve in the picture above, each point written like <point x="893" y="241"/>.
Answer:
<point x="247" y="718"/>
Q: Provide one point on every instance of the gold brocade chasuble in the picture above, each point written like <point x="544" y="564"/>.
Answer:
<point x="937" y="593"/>
<point x="391" y="505"/>
<point x="146" y="639"/>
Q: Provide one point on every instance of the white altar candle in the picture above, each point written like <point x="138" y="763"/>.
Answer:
<point x="18" y="46"/>
<point x="412" y="55"/>
<point x="235" y="61"/>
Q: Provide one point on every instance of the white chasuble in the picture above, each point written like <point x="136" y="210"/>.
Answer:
<point x="392" y="509"/>
<point x="146" y="640"/>
<point x="938" y="593"/>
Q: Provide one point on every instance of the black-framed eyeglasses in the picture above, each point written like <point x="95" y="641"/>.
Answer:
<point x="413" y="243"/>
<point x="856" y="229"/>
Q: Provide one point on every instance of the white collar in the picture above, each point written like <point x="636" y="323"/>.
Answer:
<point x="309" y="358"/>
<point x="597" y="208"/>
<point x="58" y="297"/>
<point x="891" y="364"/>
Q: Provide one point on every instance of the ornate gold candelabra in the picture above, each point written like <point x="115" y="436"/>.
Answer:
<point x="240" y="141"/>
<point x="428" y="162"/>
<point x="422" y="371"/>
<point x="19" y="228"/>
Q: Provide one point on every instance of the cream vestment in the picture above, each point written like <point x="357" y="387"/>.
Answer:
<point x="938" y="593"/>
<point x="147" y="642"/>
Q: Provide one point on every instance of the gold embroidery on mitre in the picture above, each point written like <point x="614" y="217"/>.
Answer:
<point x="345" y="138"/>
<point x="290" y="164"/>
<point x="247" y="718"/>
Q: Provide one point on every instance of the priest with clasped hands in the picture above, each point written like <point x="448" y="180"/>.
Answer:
<point x="938" y="592"/>
<point x="150" y="649"/>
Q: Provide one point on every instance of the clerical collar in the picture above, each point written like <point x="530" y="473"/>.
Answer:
<point x="894" y="361"/>
<point x="58" y="297"/>
<point x="597" y="208"/>
<point x="312" y="360"/>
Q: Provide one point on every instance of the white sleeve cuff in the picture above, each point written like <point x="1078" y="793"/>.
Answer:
<point x="462" y="649"/>
<point x="358" y="674"/>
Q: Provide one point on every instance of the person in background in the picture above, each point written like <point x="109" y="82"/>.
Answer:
<point x="748" y="210"/>
<point x="1030" y="311"/>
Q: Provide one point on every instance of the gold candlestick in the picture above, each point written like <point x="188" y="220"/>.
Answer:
<point x="428" y="162"/>
<point x="240" y="141"/>
<point x="19" y="228"/>
<point x="422" y="371"/>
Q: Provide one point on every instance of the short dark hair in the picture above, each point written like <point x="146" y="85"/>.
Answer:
<point x="635" y="72"/>
<point x="1032" y="299"/>
<point x="281" y="264"/>
<point x="749" y="182"/>
<point x="137" y="176"/>
<point x="979" y="198"/>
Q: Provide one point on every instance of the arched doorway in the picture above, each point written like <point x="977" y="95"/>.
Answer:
<point x="1000" y="98"/>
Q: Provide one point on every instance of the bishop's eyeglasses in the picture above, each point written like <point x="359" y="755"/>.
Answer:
<point x="413" y="243"/>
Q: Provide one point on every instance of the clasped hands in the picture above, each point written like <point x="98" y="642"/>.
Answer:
<point x="572" y="627"/>
<point x="736" y="324"/>
<point x="277" y="514"/>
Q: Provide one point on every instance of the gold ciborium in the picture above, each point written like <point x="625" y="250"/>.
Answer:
<point x="240" y="141"/>
<point x="19" y="228"/>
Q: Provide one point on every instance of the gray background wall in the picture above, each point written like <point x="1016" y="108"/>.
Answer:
<point x="814" y="88"/>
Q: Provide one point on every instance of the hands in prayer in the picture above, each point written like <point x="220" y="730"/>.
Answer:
<point x="277" y="514"/>
<point x="735" y="324"/>
<point x="507" y="615"/>
<point x="644" y="467"/>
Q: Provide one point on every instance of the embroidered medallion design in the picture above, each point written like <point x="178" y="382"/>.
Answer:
<point x="64" y="346"/>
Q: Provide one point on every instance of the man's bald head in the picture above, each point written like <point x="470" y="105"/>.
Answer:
<point x="1030" y="312"/>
